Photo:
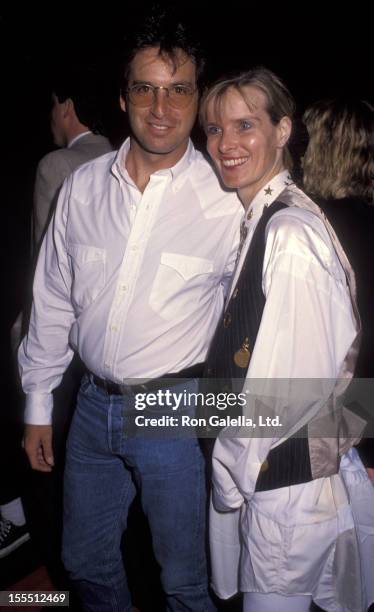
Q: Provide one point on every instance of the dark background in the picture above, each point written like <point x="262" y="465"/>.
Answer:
<point x="316" y="53"/>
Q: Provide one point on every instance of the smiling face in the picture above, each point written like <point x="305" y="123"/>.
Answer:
<point x="160" y="129"/>
<point x="243" y="142"/>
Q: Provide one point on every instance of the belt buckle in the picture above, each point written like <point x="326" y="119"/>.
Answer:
<point x="110" y="387"/>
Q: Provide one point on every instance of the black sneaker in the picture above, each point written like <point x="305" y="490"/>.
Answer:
<point x="11" y="536"/>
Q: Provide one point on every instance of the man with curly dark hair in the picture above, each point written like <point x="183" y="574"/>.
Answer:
<point x="132" y="275"/>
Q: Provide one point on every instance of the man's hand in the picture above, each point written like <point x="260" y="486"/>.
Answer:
<point x="37" y="442"/>
<point x="370" y="472"/>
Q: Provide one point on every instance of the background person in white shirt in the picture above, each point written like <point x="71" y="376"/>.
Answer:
<point x="132" y="275"/>
<point x="291" y="316"/>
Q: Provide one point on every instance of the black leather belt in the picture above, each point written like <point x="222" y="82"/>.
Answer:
<point x="163" y="382"/>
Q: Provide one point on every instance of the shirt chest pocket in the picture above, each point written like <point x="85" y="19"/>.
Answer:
<point x="179" y="283"/>
<point x="87" y="264"/>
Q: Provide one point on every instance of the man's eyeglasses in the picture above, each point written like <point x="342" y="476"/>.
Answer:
<point x="144" y="94"/>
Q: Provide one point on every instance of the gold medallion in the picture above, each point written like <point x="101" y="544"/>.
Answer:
<point x="241" y="357"/>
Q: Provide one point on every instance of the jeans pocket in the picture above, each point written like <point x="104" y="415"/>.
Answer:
<point x="85" y="384"/>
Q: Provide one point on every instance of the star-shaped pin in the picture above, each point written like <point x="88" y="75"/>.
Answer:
<point x="268" y="191"/>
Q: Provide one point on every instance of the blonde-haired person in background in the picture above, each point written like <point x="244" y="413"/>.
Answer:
<point x="290" y="315"/>
<point x="339" y="173"/>
<point x="339" y="161"/>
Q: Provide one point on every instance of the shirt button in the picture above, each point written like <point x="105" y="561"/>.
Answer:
<point x="114" y="328"/>
<point x="107" y="365"/>
<point x="135" y="248"/>
<point x="123" y="287"/>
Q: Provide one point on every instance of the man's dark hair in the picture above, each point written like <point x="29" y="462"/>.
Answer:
<point x="80" y="83"/>
<point x="165" y="29"/>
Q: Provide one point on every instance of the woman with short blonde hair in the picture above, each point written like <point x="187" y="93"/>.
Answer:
<point x="281" y="525"/>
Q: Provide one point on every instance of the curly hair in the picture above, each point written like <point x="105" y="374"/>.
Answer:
<point x="339" y="159"/>
<point x="170" y="31"/>
<point x="280" y="102"/>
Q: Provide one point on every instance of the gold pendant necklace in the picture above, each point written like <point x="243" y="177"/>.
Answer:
<point x="241" y="357"/>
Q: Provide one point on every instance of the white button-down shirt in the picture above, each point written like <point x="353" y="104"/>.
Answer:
<point x="134" y="282"/>
<point x="306" y="329"/>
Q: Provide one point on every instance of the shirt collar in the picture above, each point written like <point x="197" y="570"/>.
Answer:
<point x="76" y="138"/>
<point x="268" y="194"/>
<point x="179" y="170"/>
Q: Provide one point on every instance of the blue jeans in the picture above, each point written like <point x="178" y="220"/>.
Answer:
<point x="103" y="470"/>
